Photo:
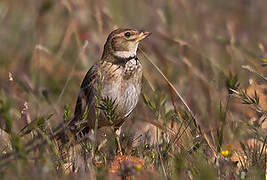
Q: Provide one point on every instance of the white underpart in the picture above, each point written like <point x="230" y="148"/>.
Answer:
<point x="131" y="95"/>
<point x="128" y="98"/>
<point x="126" y="54"/>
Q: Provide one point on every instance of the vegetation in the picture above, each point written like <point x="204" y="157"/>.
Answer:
<point x="202" y="114"/>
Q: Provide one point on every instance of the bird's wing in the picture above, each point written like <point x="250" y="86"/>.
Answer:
<point x="86" y="99"/>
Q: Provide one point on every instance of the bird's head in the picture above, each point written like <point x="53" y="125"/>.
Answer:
<point x="123" y="43"/>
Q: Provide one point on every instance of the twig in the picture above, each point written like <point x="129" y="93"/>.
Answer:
<point x="173" y="88"/>
<point x="32" y="145"/>
<point x="263" y="146"/>
<point x="72" y="71"/>
<point x="250" y="69"/>
<point x="178" y="137"/>
<point x="161" y="163"/>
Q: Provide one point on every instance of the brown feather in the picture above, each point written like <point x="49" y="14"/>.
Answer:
<point x="117" y="78"/>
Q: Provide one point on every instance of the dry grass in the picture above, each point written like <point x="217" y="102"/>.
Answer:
<point x="203" y="111"/>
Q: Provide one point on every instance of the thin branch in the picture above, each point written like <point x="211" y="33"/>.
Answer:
<point x="250" y="69"/>
<point x="72" y="71"/>
<point x="173" y="88"/>
<point x="161" y="163"/>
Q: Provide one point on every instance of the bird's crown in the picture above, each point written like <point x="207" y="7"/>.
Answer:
<point x="123" y="43"/>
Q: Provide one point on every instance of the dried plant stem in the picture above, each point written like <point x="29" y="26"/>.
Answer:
<point x="71" y="73"/>
<point x="161" y="163"/>
<point x="32" y="145"/>
<point x="173" y="88"/>
<point x="250" y="69"/>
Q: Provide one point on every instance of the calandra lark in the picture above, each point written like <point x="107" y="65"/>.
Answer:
<point x="114" y="80"/>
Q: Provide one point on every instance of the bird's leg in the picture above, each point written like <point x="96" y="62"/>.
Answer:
<point x="117" y="132"/>
<point x="119" y="144"/>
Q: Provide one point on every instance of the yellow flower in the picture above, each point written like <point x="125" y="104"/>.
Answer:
<point x="138" y="167"/>
<point x="225" y="153"/>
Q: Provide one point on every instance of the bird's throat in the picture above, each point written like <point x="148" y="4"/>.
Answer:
<point x="124" y="54"/>
<point x="122" y="57"/>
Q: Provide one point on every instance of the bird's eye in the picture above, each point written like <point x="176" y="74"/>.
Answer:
<point x="127" y="34"/>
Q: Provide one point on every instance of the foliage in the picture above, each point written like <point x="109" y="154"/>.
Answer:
<point x="212" y="53"/>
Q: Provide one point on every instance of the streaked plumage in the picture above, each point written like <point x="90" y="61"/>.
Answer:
<point x="117" y="75"/>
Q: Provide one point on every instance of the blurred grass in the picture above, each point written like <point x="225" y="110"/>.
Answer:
<point x="196" y="44"/>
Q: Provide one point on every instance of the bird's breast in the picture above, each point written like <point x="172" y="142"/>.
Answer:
<point x="122" y="83"/>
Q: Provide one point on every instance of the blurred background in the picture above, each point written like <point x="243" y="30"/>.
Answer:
<point x="195" y="43"/>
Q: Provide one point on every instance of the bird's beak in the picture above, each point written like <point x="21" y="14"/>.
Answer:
<point x="142" y="35"/>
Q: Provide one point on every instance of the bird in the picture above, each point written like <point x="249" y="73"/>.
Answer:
<point x="114" y="80"/>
